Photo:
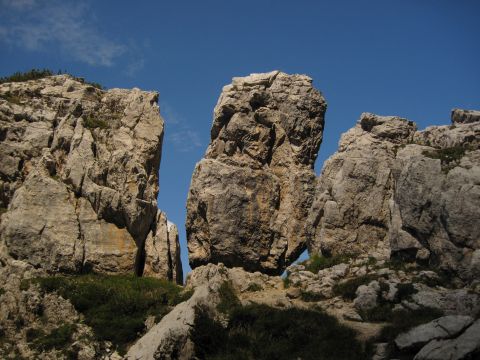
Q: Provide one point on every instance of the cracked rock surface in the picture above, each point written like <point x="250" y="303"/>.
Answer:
<point x="249" y="196"/>
<point x="393" y="191"/>
<point x="79" y="176"/>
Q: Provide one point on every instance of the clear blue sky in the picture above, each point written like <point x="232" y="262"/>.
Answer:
<point x="413" y="58"/>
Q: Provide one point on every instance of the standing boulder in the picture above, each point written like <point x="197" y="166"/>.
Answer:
<point x="251" y="193"/>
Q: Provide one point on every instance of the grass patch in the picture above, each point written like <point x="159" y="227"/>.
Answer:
<point x="261" y="332"/>
<point x="347" y="289"/>
<point x="228" y="298"/>
<point x="3" y="210"/>
<point x="93" y="123"/>
<point x="319" y="262"/>
<point x="116" y="307"/>
<point x="59" y="338"/>
<point x="254" y="287"/>
<point x="2" y="291"/>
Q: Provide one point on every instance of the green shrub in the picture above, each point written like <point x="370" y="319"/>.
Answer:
<point x="92" y="123"/>
<point x="347" y="289"/>
<point x="36" y="74"/>
<point x="308" y="296"/>
<point x="261" y="332"/>
<point x="58" y="338"/>
<point x="228" y="298"/>
<point x="449" y="157"/>
<point x="33" y="74"/>
<point x="254" y="287"/>
<point x="116" y="307"/>
<point x="33" y="334"/>
<point x="319" y="262"/>
<point x="405" y="291"/>
<point x="2" y="291"/>
<point x="380" y="313"/>
<point x="286" y="281"/>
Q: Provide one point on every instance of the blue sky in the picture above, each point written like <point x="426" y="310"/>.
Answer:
<point x="413" y="58"/>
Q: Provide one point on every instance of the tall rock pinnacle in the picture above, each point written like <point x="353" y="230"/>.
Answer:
<point x="250" y="195"/>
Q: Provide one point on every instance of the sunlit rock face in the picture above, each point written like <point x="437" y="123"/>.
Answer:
<point x="78" y="174"/>
<point x="249" y="196"/>
<point x="392" y="191"/>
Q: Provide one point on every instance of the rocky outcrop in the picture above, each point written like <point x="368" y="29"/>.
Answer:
<point x="79" y="175"/>
<point x="443" y="338"/>
<point x="393" y="191"/>
<point x="170" y="338"/>
<point x="250" y="195"/>
<point x="162" y="250"/>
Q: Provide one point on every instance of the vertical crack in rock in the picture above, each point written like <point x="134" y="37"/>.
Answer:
<point x="250" y="195"/>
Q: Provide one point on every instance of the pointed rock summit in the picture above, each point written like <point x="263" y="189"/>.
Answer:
<point x="249" y="197"/>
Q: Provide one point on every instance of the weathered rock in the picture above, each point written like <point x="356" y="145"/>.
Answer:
<point x="465" y="116"/>
<point x="78" y="174"/>
<point x="391" y="191"/>
<point x="170" y="338"/>
<point x="466" y="346"/>
<point x="366" y="296"/>
<point x="441" y="328"/>
<point x="250" y="195"/>
<point x="350" y="214"/>
<point x="162" y="251"/>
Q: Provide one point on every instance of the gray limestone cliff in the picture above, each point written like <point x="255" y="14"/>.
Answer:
<point x="79" y="178"/>
<point x="250" y="195"/>
<point x="393" y="191"/>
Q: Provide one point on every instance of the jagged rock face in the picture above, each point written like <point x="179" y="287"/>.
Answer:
<point x="350" y="213"/>
<point x="250" y="195"/>
<point x="401" y="192"/>
<point x="78" y="173"/>
<point x="162" y="250"/>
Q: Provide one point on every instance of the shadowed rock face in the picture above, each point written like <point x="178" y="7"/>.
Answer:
<point x="250" y="195"/>
<point x="78" y="174"/>
<point x="393" y="191"/>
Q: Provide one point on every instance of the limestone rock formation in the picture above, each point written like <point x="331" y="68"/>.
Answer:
<point x="393" y="191"/>
<point x="162" y="250"/>
<point x="250" y="195"/>
<point x="79" y="174"/>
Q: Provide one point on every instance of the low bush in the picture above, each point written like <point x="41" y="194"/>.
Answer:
<point x="116" y="307"/>
<point x="308" y="296"/>
<point x="59" y="338"/>
<point x="33" y="74"/>
<point x="253" y="287"/>
<point x="228" y="298"/>
<point x="262" y="332"/>
<point x="92" y="123"/>
<point x="405" y="291"/>
<point x="318" y="262"/>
